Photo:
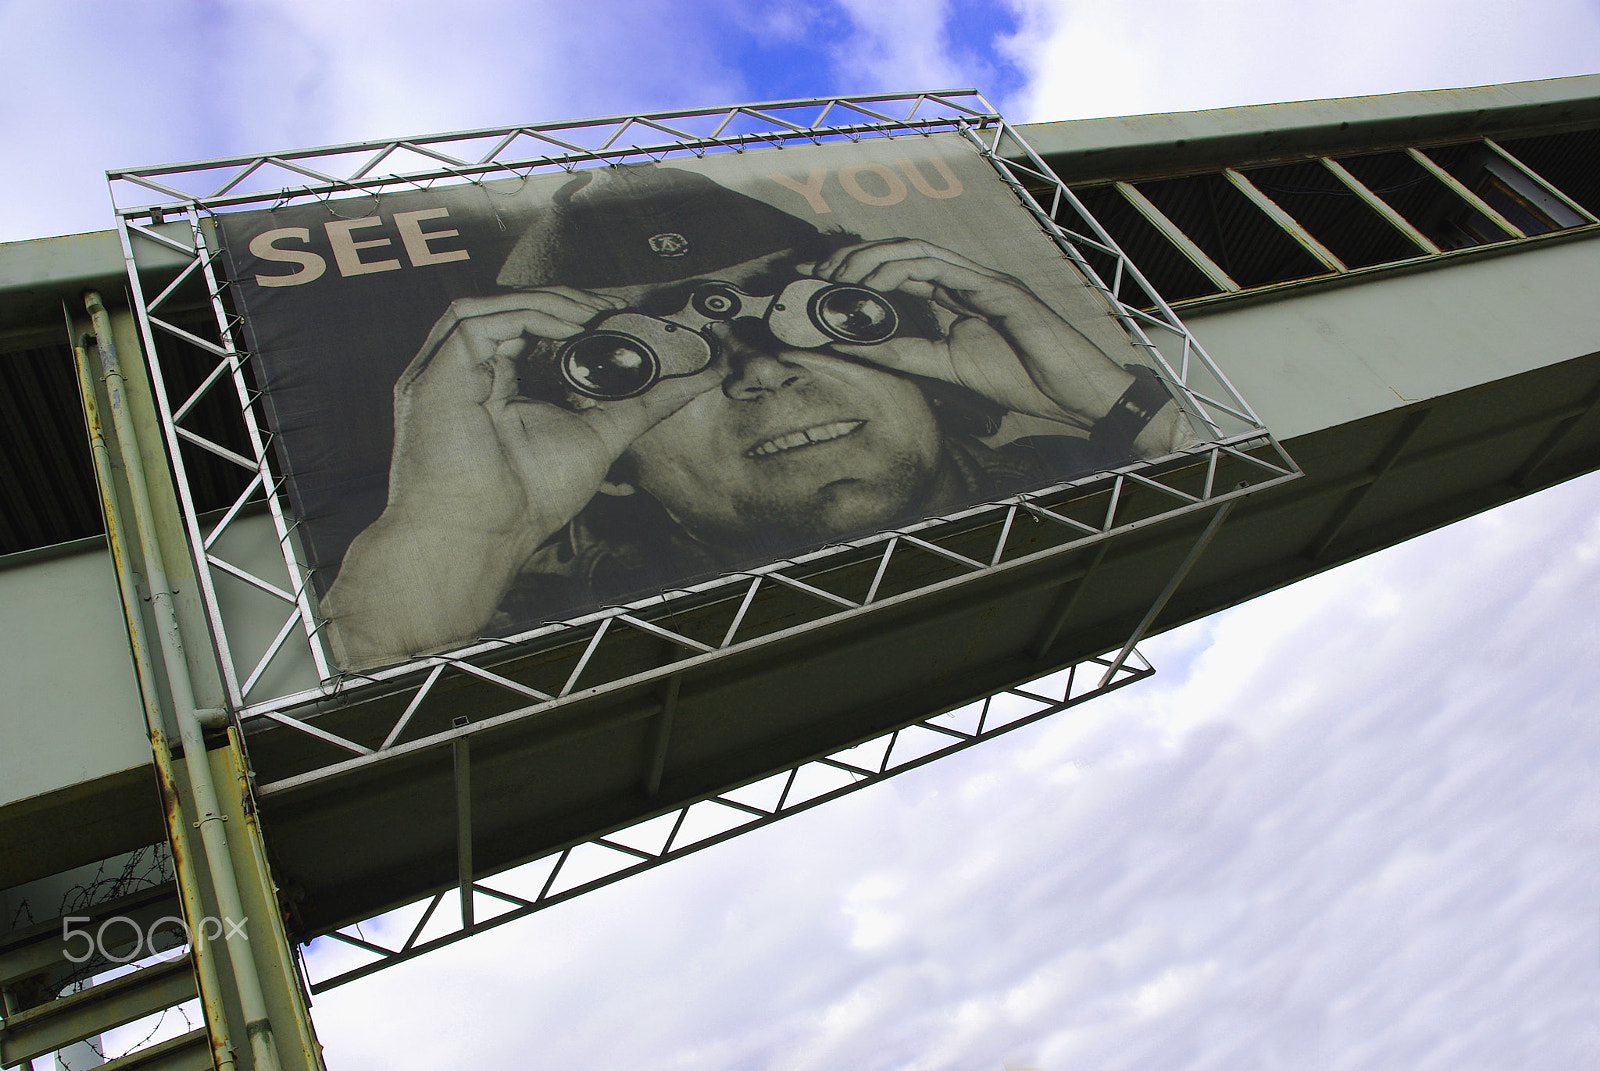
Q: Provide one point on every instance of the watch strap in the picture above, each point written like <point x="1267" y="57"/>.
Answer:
<point x="1132" y="412"/>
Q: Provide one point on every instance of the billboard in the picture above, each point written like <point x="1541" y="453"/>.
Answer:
<point x="513" y="401"/>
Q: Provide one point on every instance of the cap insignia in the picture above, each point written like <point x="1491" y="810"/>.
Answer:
<point x="669" y="244"/>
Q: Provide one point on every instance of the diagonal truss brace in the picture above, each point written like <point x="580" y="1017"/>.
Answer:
<point x="988" y="718"/>
<point x="419" y="161"/>
<point x="1074" y="228"/>
<point x="829" y="608"/>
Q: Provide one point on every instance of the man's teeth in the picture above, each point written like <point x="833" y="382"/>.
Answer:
<point x="810" y="436"/>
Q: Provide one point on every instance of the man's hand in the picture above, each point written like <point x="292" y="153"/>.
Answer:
<point x="1005" y="344"/>
<point x="449" y="463"/>
<point x="465" y="439"/>
<point x="481" y="476"/>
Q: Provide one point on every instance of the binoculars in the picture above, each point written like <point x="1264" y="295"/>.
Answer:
<point x="624" y="354"/>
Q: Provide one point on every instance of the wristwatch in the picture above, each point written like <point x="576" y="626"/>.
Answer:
<point x="1131" y="413"/>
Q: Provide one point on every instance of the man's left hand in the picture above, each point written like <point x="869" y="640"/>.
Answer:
<point x="1005" y="344"/>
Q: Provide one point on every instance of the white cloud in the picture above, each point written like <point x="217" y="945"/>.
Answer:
<point x="114" y="85"/>
<point x="1357" y="841"/>
<point x="897" y="44"/>
<point x="1096" y="59"/>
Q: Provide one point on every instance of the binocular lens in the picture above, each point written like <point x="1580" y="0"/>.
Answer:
<point x="609" y="365"/>
<point x="854" y="314"/>
<point x="716" y="301"/>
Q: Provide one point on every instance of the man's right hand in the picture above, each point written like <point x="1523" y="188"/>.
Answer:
<point x="481" y="476"/>
<point x="451" y="465"/>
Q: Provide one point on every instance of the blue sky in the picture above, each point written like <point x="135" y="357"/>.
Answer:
<point x="1348" y="825"/>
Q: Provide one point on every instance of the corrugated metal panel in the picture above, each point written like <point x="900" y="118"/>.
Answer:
<point x="1421" y="198"/>
<point x="1333" y="213"/>
<point x="1570" y="162"/>
<point x="1413" y="207"/>
<point x="1236" y="234"/>
<point x="50" y="494"/>
<point x="1166" y="268"/>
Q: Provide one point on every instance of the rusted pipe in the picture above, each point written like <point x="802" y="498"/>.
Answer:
<point x="144" y="671"/>
<point x="180" y="685"/>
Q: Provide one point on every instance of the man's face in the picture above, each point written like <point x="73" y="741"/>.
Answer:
<point x="797" y="443"/>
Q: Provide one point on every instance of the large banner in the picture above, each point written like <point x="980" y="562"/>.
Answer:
<point x="514" y="401"/>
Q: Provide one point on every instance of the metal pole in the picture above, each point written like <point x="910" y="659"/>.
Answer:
<point x="1166" y="593"/>
<point x="214" y="839"/>
<point x="462" y="755"/>
<point x="8" y="1004"/>
<point x="144" y="670"/>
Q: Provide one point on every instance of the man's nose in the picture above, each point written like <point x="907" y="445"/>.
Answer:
<point x="757" y="366"/>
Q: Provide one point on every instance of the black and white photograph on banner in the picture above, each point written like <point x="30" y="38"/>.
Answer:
<point x="515" y="401"/>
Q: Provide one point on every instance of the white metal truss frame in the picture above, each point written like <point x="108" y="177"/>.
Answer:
<point x="1122" y="502"/>
<point x="719" y="816"/>
<point x="177" y="220"/>
<point x="1202" y="387"/>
